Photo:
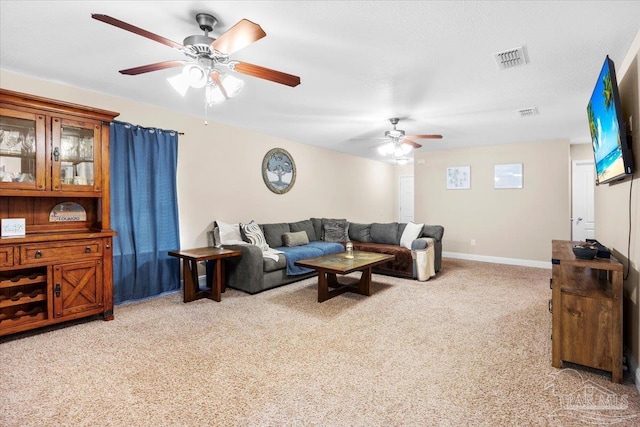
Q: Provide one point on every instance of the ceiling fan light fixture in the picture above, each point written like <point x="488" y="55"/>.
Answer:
<point x="406" y="148"/>
<point x="399" y="152"/>
<point x="386" y="149"/>
<point x="402" y="161"/>
<point x="232" y="85"/>
<point x="196" y="74"/>
<point x="213" y="94"/>
<point x="180" y="83"/>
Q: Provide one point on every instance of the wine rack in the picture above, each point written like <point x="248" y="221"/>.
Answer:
<point x="23" y="297"/>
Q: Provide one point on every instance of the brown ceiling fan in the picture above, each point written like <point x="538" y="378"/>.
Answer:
<point x="207" y="56"/>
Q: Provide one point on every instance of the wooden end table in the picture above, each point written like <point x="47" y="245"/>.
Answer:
<point x="190" y="259"/>
<point x="328" y="266"/>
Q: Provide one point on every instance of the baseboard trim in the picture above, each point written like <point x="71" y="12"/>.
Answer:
<point x="498" y="260"/>
<point x="634" y="369"/>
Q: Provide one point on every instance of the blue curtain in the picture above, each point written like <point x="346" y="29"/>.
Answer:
<point x="144" y="211"/>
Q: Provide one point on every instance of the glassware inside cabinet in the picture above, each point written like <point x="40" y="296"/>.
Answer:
<point x="17" y="150"/>
<point x="77" y="155"/>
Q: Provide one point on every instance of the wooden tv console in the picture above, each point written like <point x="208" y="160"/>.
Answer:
<point x="587" y="310"/>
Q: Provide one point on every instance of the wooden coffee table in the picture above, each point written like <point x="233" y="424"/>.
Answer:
<point x="328" y="266"/>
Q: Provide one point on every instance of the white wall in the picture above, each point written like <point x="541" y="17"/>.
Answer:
<point x="614" y="204"/>
<point x="219" y="169"/>
<point x="505" y="223"/>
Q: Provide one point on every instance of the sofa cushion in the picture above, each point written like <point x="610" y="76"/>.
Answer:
<point x="411" y="232"/>
<point x="295" y="238"/>
<point x="273" y="233"/>
<point x="360" y="232"/>
<point x="272" y="265"/>
<point x="317" y="227"/>
<point x="304" y="225"/>
<point x="328" y="247"/>
<point x="254" y="235"/>
<point x="336" y="230"/>
<point x="434" y="231"/>
<point x="229" y="233"/>
<point x="385" y="233"/>
<point x="401" y="227"/>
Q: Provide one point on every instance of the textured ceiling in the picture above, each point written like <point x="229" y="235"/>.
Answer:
<point x="361" y="62"/>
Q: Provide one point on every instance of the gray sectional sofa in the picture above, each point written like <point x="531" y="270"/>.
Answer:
<point x="253" y="273"/>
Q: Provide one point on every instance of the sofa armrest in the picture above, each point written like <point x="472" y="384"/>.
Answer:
<point x="248" y="267"/>
<point x="421" y="243"/>
<point x="246" y="271"/>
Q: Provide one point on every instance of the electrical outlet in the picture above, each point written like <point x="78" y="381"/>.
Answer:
<point x="473" y="242"/>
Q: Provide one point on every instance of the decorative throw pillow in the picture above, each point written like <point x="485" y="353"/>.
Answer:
<point x="336" y="231"/>
<point x="255" y="236"/>
<point x="296" y="238"/>
<point x="411" y="232"/>
<point x="329" y="221"/>
<point x="229" y="233"/>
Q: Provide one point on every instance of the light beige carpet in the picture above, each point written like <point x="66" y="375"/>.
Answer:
<point x="470" y="347"/>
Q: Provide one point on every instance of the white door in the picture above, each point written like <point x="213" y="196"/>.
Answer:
<point x="406" y="199"/>
<point x="582" y="210"/>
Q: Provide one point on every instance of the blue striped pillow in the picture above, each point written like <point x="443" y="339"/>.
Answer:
<point x="254" y="234"/>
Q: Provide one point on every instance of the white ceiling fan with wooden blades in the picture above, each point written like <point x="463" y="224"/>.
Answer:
<point x="398" y="143"/>
<point x="207" y="58"/>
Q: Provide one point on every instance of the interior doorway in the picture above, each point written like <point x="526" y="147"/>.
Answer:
<point x="582" y="200"/>
<point x="406" y="199"/>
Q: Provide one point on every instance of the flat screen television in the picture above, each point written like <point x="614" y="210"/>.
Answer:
<point x="611" y="147"/>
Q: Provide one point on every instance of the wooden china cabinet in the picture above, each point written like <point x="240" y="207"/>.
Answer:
<point x="54" y="173"/>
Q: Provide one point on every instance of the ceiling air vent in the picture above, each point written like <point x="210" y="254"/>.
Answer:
<point x="528" y="112"/>
<point x="510" y="58"/>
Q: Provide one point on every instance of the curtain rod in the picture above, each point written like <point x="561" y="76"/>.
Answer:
<point x="142" y="127"/>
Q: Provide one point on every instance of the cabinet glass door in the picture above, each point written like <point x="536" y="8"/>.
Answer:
<point x="76" y="153"/>
<point x="22" y="137"/>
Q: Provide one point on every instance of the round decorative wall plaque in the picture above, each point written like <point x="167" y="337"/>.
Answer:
<point x="278" y="170"/>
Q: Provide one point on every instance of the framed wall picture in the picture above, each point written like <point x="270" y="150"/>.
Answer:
<point x="507" y="175"/>
<point x="459" y="178"/>
<point x="278" y="170"/>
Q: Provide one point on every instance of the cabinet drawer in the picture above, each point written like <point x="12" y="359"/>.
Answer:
<point x="6" y="256"/>
<point x="55" y="252"/>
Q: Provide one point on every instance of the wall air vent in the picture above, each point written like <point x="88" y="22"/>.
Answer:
<point x="528" y="112"/>
<point x="510" y="58"/>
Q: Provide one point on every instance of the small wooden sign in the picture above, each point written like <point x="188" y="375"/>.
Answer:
<point x="67" y="212"/>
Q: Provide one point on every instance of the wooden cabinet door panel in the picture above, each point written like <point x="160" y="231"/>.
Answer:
<point x="6" y="256"/>
<point x="76" y="167"/>
<point x="587" y="329"/>
<point x="22" y="149"/>
<point x="77" y="287"/>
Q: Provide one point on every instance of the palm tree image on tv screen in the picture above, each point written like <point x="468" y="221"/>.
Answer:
<point x="608" y="136"/>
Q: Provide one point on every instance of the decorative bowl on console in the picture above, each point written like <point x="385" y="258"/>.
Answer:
<point x="585" y="251"/>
